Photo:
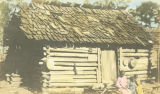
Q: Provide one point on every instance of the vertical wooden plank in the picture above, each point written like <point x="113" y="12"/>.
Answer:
<point x="158" y="63"/>
<point x="108" y="63"/>
<point x="113" y="65"/>
<point x="99" y="75"/>
<point x="120" y="59"/>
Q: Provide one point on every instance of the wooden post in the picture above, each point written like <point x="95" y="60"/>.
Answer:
<point x="120" y="60"/>
<point x="158" y="63"/>
<point x="99" y="76"/>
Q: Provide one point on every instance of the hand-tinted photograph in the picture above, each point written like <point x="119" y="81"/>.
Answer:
<point x="79" y="47"/>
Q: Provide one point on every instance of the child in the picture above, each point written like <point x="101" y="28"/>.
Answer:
<point x="139" y="89"/>
<point x="122" y="84"/>
<point x="132" y="85"/>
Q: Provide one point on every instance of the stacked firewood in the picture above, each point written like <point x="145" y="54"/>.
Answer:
<point x="14" y="79"/>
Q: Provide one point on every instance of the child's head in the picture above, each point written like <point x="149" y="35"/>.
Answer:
<point x="121" y="73"/>
<point x="131" y="78"/>
<point x="135" y="76"/>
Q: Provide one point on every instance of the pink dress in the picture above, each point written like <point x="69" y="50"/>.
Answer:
<point x="122" y="85"/>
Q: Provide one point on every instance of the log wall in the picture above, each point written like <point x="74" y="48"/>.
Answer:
<point x="155" y="57"/>
<point x="73" y="67"/>
<point x="134" y="62"/>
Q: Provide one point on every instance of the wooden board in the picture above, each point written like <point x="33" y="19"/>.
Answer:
<point x="134" y="51"/>
<point x="140" y="68"/>
<point x="86" y="72"/>
<point x="62" y="68"/>
<point x="72" y="80"/>
<point x="73" y="76"/>
<point x="135" y="54"/>
<point x="136" y="72"/>
<point x="72" y="50"/>
<point x="83" y="64"/>
<point x="143" y="51"/>
<point x="78" y="55"/>
<point x="70" y="84"/>
<point x="128" y="50"/>
<point x="61" y="72"/>
<point x="86" y="68"/>
<point x="72" y="72"/>
<point x="72" y="59"/>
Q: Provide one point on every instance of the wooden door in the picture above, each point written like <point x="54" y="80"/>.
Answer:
<point x="108" y="65"/>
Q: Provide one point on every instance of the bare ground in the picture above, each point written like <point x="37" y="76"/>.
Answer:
<point x="6" y="88"/>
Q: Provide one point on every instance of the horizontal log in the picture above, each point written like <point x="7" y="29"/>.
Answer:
<point x="84" y="76"/>
<point x="135" y="54"/>
<point x="134" y="51"/>
<point x="140" y="66"/>
<point x="62" y="68"/>
<point x="73" y="50"/>
<point x="136" y="72"/>
<point x="86" y="64"/>
<point x="142" y="76"/>
<point x="61" y="59"/>
<point x="73" y="76"/>
<point x="139" y="76"/>
<point x="72" y="68"/>
<point x="72" y="80"/>
<point x="61" y="76"/>
<point x="76" y="64"/>
<point x="61" y="72"/>
<point x="70" y="84"/>
<point x="78" y="55"/>
<point x="77" y="48"/>
<point x="128" y="50"/>
<point x="135" y="69"/>
<point x="145" y="78"/>
<point x="141" y="60"/>
<point x="72" y="72"/>
<point x="86" y="68"/>
<point x="69" y="59"/>
<point x="143" y="50"/>
<point x="86" y="72"/>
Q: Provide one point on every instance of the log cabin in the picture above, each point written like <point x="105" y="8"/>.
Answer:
<point x="155" y="56"/>
<point x="54" y="46"/>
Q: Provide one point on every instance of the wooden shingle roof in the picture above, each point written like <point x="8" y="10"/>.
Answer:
<point x="80" y="25"/>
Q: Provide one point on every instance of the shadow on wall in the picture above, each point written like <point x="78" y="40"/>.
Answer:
<point x="22" y="57"/>
<point x="23" y="62"/>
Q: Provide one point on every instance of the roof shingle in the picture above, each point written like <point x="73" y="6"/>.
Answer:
<point x="75" y="24"/>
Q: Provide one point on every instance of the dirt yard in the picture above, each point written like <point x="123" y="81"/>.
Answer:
<point x="6" y="88"/>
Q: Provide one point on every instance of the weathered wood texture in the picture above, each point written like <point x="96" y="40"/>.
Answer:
<point x="108" y="63"/>
<point x="72" y="67"/>
<point x="158" y="65"/>
<point x="63" y="90"/>
<point x="155" y="59"/>
<point x="134" y="62"/>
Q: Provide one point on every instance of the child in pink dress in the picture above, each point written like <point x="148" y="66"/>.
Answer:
<point x="122" y="84"/>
